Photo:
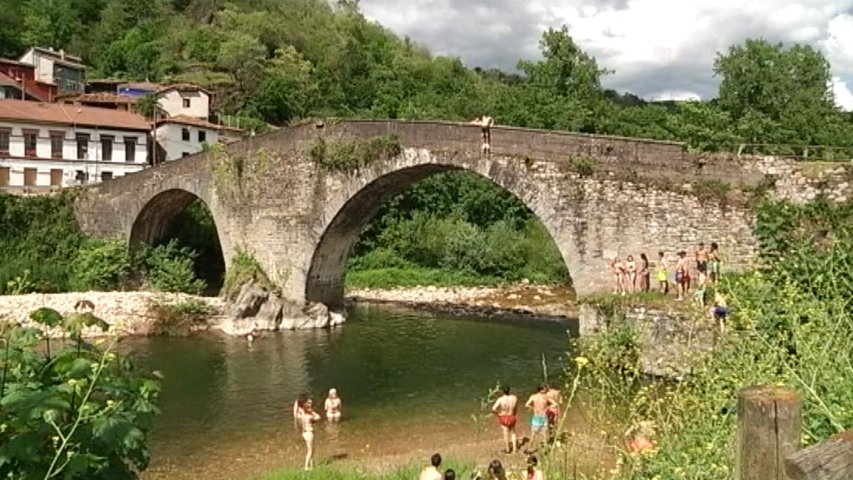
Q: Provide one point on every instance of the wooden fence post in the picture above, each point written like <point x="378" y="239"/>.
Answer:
<point x="769" y="427"/>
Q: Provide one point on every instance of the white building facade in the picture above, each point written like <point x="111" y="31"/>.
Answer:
<point x="45" y="146"/>
<point x="181" y="136"/>
<point x="187" y="100"/>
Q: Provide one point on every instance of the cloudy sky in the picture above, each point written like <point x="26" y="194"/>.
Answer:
<point x="659" y="49"/>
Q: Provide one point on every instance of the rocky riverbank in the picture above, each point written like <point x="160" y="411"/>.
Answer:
<point x="127" y="313"/>
<point x="513" y="300"/>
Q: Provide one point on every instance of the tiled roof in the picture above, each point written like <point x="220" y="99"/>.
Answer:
<point x="58" y="113"/>
<point x="196" y="122"/>
<point x="11" y="82"/>
<point x="184" y="87"/>
<point x="8" y="81"/>
<point x="101" y="97"/>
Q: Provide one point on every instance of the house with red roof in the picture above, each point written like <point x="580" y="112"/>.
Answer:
<point x="45" y="146"/>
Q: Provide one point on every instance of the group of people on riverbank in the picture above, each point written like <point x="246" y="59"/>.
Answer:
<point x="545" y="407"/>
<point x="495" y="471"/>
<point x="305" y="418"/>
<point x="631" y="276"/>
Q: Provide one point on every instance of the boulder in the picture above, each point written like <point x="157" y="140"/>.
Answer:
<point x="248" y="302"/>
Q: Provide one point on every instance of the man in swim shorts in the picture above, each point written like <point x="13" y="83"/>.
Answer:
<point x="539" y="403"/>
<point x="506" y="408"/>
<point x="702" y="262"/>
<point x="485" y="122"/>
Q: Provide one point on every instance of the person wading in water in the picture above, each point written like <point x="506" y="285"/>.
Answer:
<point x="307" y="417"/>
<point x="506" y="408"/>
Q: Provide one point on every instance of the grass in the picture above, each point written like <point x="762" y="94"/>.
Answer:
<point x="416" y="276"/>
<point x="328" y="472"/>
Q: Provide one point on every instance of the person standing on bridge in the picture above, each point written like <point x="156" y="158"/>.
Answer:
<point x="485" y="122"/>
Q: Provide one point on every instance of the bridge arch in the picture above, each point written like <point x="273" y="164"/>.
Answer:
<point x="362" y="196"/>
<point x="156" y="221"/>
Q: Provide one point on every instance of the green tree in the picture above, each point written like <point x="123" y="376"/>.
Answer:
<point x="49" y="23"/>
<point x="776" y="92"/>
<point x="286" y="91"/>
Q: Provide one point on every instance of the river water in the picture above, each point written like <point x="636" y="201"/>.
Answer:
<point x="409" y="382"/>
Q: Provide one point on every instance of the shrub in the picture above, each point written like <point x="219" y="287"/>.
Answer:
<point x="170" y="268"/>
<point x="101" y="265"/>
<point x="244" y="269"/>
<point x="584" y="167"/>
<point x="178" y="319"/>
<point x="79" y="412"/>
<point x="348" y="156"/>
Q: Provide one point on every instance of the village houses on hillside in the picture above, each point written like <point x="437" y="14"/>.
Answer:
<point x="58" y="130"/>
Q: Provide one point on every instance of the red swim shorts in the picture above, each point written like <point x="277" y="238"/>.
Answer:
<point x="507" y="420"/>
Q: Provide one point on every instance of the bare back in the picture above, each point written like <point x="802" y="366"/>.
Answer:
<point x="430" y="473"/>
<point x="506" y="405"/>
<point x="539" y="403"/>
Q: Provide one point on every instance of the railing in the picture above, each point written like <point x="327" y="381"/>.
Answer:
<point x="768" y="440"/>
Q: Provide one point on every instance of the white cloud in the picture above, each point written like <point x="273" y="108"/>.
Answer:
<point x="658" y="48"/>
<point x="843" y="94"/>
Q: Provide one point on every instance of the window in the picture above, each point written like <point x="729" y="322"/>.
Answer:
<point x="186" y="154"/>
<point x="56" y="177"/>
<point x="82" y="146"/>
<point x="4" y="176"/>
<point x="30" y="177"/>
<point x="4" y="141"/>
<point x="106" y="176"/>
<point x="129" y="149"/>
<point x="106" y="147"/>
<point x="185" y="134"/>
<point x="186" y="103"/>
<point x="202" y="136"/>
<point x="57" y="140"/>
<point x="80" y="176"/>
<point x="30" y="139"/>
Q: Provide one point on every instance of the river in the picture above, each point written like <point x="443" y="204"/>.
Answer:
<point x="410" y="382"/>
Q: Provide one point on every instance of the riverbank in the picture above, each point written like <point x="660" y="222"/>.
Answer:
<point x="526" y="300"/>
<point x="127" y="313"/>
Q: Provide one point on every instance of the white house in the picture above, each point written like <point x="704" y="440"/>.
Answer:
<point x="185" y="99"/>
<point x="182" y="135"/>
<point x="50" y="145"/>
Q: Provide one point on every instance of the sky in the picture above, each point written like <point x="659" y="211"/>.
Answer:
<point x="658" y="49"/>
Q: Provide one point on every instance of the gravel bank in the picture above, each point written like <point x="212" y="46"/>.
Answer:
<point x="128" y="313"/>
<point x="525" y="299"/>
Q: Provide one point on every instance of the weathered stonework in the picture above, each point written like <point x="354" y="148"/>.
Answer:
<point x="300" y="221"/>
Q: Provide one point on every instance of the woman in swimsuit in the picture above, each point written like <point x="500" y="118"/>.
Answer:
<point x="662" y="273"/>
<point x="645" y="277"/>
<point x="714" y="261"/>
<point x="333" y="406"/>
<point x="307" y="417"/>
<point x="631" y="273"/>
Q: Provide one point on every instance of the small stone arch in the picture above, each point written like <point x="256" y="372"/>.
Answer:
<point x="152" y="223"/>
<point x="324" y="282"/>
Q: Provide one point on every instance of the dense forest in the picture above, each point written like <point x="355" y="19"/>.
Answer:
<point x="273" y="62"/>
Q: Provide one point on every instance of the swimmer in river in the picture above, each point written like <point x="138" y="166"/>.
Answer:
<point x="539" y="403"/>
<point x="297" y="405"/>
<point x="307" y="417"/>
<point x="506" y="408"/>
<point x="333" y="406"/>
<point x="431" y="472"/>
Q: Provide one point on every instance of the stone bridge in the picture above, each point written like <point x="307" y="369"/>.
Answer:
<point x="597" y="196"/>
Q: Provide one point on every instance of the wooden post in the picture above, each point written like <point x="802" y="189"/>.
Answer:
<point x="769" y="423"/>
<point x="830" y="460"/>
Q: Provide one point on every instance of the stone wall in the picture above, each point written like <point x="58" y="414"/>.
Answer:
<point x="268" y="197"/>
